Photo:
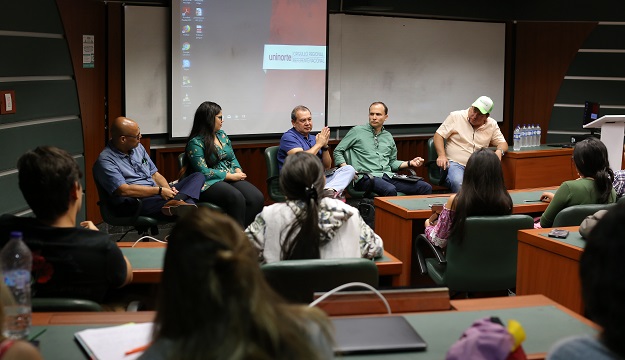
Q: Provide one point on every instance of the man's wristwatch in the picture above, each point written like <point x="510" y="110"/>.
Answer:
<point x="502" y="152"/>
<point x="160" y="190"/>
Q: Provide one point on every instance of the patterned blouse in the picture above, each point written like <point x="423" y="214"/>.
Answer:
<point x="343" y="231"/>
<point x="227" y="161"/>
<point x="439" y="233"/>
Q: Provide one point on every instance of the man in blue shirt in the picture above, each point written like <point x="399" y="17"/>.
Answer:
<point x="124" y="169"/>
<point x="298" y="139"/>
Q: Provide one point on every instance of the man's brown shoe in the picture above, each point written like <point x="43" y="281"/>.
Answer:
<point x="177" y="208"/>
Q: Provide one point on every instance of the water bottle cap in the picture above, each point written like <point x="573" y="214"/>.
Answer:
<point x="15" y="234"/>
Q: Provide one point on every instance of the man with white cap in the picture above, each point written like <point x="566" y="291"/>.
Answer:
<point x="464" y="132"/>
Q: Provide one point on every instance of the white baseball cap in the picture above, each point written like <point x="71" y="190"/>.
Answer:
<point x="485" y="104"/>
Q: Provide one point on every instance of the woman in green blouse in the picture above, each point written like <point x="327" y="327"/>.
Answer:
<point x="210" y="152"/>
<point x="594" y="185"/>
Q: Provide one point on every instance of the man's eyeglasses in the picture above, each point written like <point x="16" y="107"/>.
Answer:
<point x="138" y="136"/>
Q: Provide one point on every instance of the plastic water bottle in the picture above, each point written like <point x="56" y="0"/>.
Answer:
<point x="532" y="131"/>
<point x="538" y="134"/>
<point x="517" y="138"/>
<point x="17" y="262"/>
<point x="524" y="136"/>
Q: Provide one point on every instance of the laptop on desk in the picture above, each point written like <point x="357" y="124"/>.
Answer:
<point x="375" y="334"/>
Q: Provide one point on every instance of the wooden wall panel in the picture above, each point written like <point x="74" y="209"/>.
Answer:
<point x="88" y="18"/>
<point x="544" y="51"/>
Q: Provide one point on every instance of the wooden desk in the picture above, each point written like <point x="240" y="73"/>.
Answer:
<point x="550" y="266"/>
<point x="544" y="322"/>
<point x="146" y="259"/>
<point x="537" y="167"/>
<point x="399" y="218"/>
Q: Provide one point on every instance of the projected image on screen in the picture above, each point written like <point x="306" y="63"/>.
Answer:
<point x="257" y="59"/>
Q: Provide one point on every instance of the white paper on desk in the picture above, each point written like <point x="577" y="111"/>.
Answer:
<point x="111" y="343"/>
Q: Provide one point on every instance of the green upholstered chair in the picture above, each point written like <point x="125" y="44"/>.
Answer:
<point x="183" y="173"/>
<point x="63" y="304"/>
<point x="574" y="215"/>
<point x="131" y="217"/>
<point x="436" y="174"/>
<point x="298" y="280"/>
<point x="273" y="174"/>
<point x="485" y="260"/>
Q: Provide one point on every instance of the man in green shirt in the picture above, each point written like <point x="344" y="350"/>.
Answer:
<point x="373" y="150"/>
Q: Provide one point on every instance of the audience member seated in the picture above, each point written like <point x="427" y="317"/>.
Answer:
<point x="11" y="349"/>
<point x="373" y="151"/>
<point x="68" y="261"/>
<point x="601" y="271"/>
<point x="307" y="225"/>
<point x="124" y="169"/>
<point x="209" y="152"/>
<point x="483" y="192"/>
<point x="594" y="185"/>
<point x="619" y="181"/>
<point x="298" y="139"/>
<point x="214" y="302"/>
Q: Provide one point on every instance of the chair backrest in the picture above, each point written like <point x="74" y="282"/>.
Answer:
<point x="108" y="213"/>
<point x="298" y="280"/>
<point x="64" y="304"/>
<point x="574" y="215"/>
<point x="273" y="174"/>
<point x="486" y="258"/>
<point x="130" y="217"/>
<point x="181" y="174"/>
<point x="436" y="174"/>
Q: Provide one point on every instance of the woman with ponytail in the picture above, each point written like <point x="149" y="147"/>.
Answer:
<point x="594" y="185"/>
<point x="308" y="225"/>
<point x="214" y="302"/>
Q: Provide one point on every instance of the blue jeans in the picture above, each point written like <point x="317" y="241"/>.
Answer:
<point x="455" y="173"/>
<point x="341" y="178"/>
<point x="386" y="186"/>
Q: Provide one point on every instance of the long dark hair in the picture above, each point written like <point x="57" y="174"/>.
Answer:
<point x="302" y="178"/>
<point x="591" y="159"/>
<point x="601" y="271"/>
<point x="483" y="191"/>
<point x="214" y="302"/>
<point x="204" y="126"/>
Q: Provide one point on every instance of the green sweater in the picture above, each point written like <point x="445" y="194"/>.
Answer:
<point x="572" y="192"/>
<point x="369" y="153"/>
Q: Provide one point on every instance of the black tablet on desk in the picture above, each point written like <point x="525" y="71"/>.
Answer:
<point x="375" y="334"/>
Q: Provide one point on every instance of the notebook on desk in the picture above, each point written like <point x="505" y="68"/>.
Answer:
<point x="359" y="335"/>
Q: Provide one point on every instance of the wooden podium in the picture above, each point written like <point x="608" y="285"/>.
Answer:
<point x="612" y="130"/>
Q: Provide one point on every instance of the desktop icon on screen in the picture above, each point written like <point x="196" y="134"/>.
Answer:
<point x="186" y="29"/>
<point x="186" y="11"/>
<point x="198" y="11"/>
<point x="186" y="46"/>
<point x="198" y="29"/>
<point x="186" y="63"/>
